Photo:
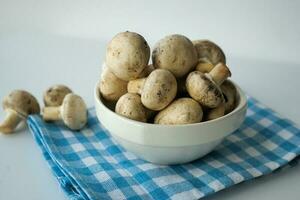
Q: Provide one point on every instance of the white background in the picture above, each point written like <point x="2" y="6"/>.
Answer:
<point x="48" y="42"/>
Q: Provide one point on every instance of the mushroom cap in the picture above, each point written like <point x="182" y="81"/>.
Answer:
<point x="175" y="53"/>
<point x="211" y="51"/>
<point x="180" y="111"/>
<point x="73" y="111"/>
<point x="229" y="93"/>
<point x="111" y="87"/>
<point x="201" y="88"/>
<point x="130" y="106"/>
<point x="55" y="95"/>
<point x="22" y="102"/>
<point x="159" y="89"/>
<point x="127" y="55"/>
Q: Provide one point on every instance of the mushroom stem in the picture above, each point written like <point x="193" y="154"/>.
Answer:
<point x="204" y="65"/>
<point x="136" y="86"/>
<point x="11" y="121"/>
<point x="220" y="73"/>
<point x="51" y="113"/>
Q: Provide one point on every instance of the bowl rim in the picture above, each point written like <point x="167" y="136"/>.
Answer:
<point x="241" y="104"/>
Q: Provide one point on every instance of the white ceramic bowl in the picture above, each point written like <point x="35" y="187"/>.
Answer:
<point x="170" y="144"/>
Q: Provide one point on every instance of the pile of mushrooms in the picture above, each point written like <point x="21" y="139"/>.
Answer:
<point x="186" y="82"/>
<point x="60" y="104"/>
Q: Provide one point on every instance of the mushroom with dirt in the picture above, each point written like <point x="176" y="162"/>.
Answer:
<point x="111" y="87"/>
<point x="55" y="95"/>
<point x="130" y="106"/>
<point x="127" y="55"/>
<point x="175" y="53"/>
<point x="180" y="111"/>
<point x="209" y="50"/>
<point x="18" y="105"/>
<point x="157" y="90"/>
<point x="204" y="88"/>
<point x="229" y="93"/>
<point x="72" y="112"/>
<point x="204" y="66"/>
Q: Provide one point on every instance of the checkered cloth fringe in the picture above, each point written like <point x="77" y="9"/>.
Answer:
<point x="90" y="165"/>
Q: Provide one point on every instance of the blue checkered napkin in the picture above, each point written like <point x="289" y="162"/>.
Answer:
<point x="90" y="165"/>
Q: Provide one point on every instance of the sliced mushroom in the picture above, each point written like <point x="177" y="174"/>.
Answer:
<point x="215" y="113"/>
<point x="229" y="93"/>
<point x="111" y="87"/>
<point x="157" y="90"/>
<point x="72" y="112"/>
<point x="127" y="55"/>
<point x="175" y="53"/>
<point x="55" y="95"/>
<point x="130" y="106"/>
<point x="18" y="105"/>
<point x="180" y="111"/>
<point x="204" y="88"/>
<point x="209" y="50"/>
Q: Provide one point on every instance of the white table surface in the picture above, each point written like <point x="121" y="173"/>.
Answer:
<point x="49" y="42"/>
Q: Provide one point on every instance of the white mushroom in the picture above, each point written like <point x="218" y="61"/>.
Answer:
<point x="55" y="95"/>
<point x="180" y="111"/>
<point x="175" y="53"/>
<point x="204" y="88"/>
<point x="209" y="50"/>
<point x="72" y="112"/>
<point x="127" y="55"/>
<point x="18" y="105"/>
<point x="204" y="66"/>
<point x="130" y="105"/>
<point x="157" y="90"/>
<point x="111" y="87"/>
